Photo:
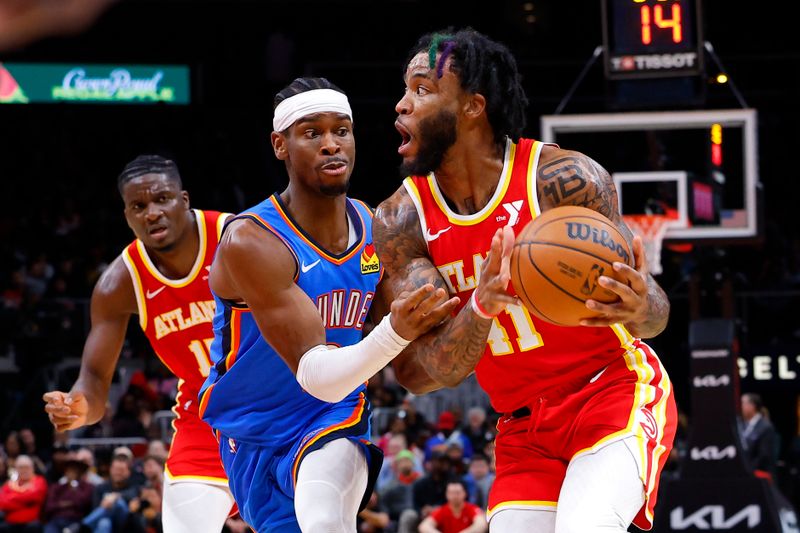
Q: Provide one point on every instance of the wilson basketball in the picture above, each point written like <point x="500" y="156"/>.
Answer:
<point x="557" y="259"/>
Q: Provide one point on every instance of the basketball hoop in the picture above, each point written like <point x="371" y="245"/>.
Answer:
<point x="651" y="228"/>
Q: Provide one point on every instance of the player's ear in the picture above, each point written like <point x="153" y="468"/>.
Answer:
<point x="279" y="145"/>
<point x="185" y="197"/>
<point x="475" y="105"/>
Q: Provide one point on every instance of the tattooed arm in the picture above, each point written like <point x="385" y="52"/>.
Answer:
<point x="448" y="353"/>
<point x="570" y="178"/>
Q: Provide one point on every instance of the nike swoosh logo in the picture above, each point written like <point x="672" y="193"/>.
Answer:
<point x="150" y="295"/>
<point x="433" y="236"/>
<point x="305" y="268"/>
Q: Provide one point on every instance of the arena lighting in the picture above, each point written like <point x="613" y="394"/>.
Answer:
<point x="722" y="78"/>
<point x="716" y="144"/>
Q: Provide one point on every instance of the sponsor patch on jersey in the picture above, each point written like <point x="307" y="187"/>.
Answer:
<point x="369" y="260"/>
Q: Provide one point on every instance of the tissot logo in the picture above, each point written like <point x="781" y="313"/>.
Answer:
<point x="712" y="453"/>
<point x="711" y="380"/>
<point x="714" y="518"/>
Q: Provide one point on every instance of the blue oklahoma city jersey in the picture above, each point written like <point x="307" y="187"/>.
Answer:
<point x="250" y="394"/>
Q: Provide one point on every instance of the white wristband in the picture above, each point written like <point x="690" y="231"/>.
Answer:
<point x="332" y="374"/>
<point x="476" y="307"/>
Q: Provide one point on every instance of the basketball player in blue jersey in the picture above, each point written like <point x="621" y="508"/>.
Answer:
<point x="295" y="278"/>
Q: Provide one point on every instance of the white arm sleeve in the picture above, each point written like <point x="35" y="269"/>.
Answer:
<point x="330" y="374"/>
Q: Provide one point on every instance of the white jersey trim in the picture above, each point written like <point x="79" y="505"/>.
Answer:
<point x="137" y="288"/>
<point x="198" y="261"/>
<point x="533" y="192"/>
<point x="491" y="205"/>
<point x="413" y="192"/>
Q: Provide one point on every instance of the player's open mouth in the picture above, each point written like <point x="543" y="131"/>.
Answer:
<point x="157" y="232"/>
<point x="406" y="138"/>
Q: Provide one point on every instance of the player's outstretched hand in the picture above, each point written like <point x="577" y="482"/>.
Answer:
<point x="492" y="291"/>
<point x="632" y="306"/>
<point x="66" y="410"/>
<point x="415" y="313"/>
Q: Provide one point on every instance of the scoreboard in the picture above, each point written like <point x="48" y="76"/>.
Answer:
<point x="652" y="38"/>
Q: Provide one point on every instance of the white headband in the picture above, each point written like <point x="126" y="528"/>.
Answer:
<point x="307" y="103"/>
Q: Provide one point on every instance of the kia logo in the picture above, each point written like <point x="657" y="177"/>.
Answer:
<point x="712" y="453"/>
<point x="714" y="517"/>
<point x="711" y="380"/>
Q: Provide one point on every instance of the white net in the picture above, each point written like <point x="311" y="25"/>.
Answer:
<point x="652" y="229"/>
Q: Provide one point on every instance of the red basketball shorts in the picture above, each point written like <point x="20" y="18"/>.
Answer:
<point x="194" y="452"/>
<point x="632" y="396"/>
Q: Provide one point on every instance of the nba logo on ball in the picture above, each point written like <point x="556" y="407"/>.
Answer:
<point x="558" y="258"/>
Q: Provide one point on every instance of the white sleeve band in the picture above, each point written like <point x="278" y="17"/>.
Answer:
<point x="330" y="374"/>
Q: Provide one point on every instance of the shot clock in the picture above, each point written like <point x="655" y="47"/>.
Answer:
<point x="652" y="38"/>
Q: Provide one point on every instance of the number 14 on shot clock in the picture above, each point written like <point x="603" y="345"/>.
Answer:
<point x="652" y="38"/>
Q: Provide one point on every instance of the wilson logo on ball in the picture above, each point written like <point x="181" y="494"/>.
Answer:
<point x="583" y="232"/>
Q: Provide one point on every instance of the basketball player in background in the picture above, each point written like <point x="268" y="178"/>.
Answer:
<point x="294" y="279"/>
<point x="162" y="277"/>
<point x="588" y="413"/>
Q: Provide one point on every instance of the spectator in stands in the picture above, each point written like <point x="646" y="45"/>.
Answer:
<point x="58" y="460"/>
<point x="394" y="445"/>
<point x="22" y="498"/>
<point x="397" y="494"/>
<point x="759" y="438"/>
<point x="428" y="492"/>
<point x="488" y="451"/>
<point x="447" y="433"/>
<point x="479" y="480"/>
<point x="86" y="456"/>
<point x="388" y="472"/>
<point x="145" y="510"/>
<point x="477" y="428"/>
<point x="379" y="394"/>
<point x="457" y="515"/>
<point x="126" y="422"/>
<point x="28" y="440"/>
<point x="38" y="275"/>
<point x="396" y="426"/>
<point x="458" y="463"/>
<point x="137" y="470"/>
<point x="153" y="468"/>
<point x="111" y="498"/>
<point x="13" y="447"/>
<point x="69" y="499"/>
<point x="417" y="426"/>
<point x="157" y="448"/>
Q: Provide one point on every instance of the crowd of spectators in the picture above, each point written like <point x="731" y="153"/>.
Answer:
<point x="67" y="486"/>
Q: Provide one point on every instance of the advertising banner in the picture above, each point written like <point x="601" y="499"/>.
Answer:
<point x="24" y="83"/>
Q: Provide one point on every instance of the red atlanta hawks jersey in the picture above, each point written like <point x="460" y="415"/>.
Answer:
<point x="525" y="357"/>
<point x="176" y="314"/>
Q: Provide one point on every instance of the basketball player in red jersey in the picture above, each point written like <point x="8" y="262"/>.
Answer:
<point x="162" y="277"/>
<point x="588" y="413"/>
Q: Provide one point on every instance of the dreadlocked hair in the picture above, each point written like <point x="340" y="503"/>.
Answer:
<point x="482" y="66"/>
<point x="301" y="85"/>
<point x="149" y="164"/>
